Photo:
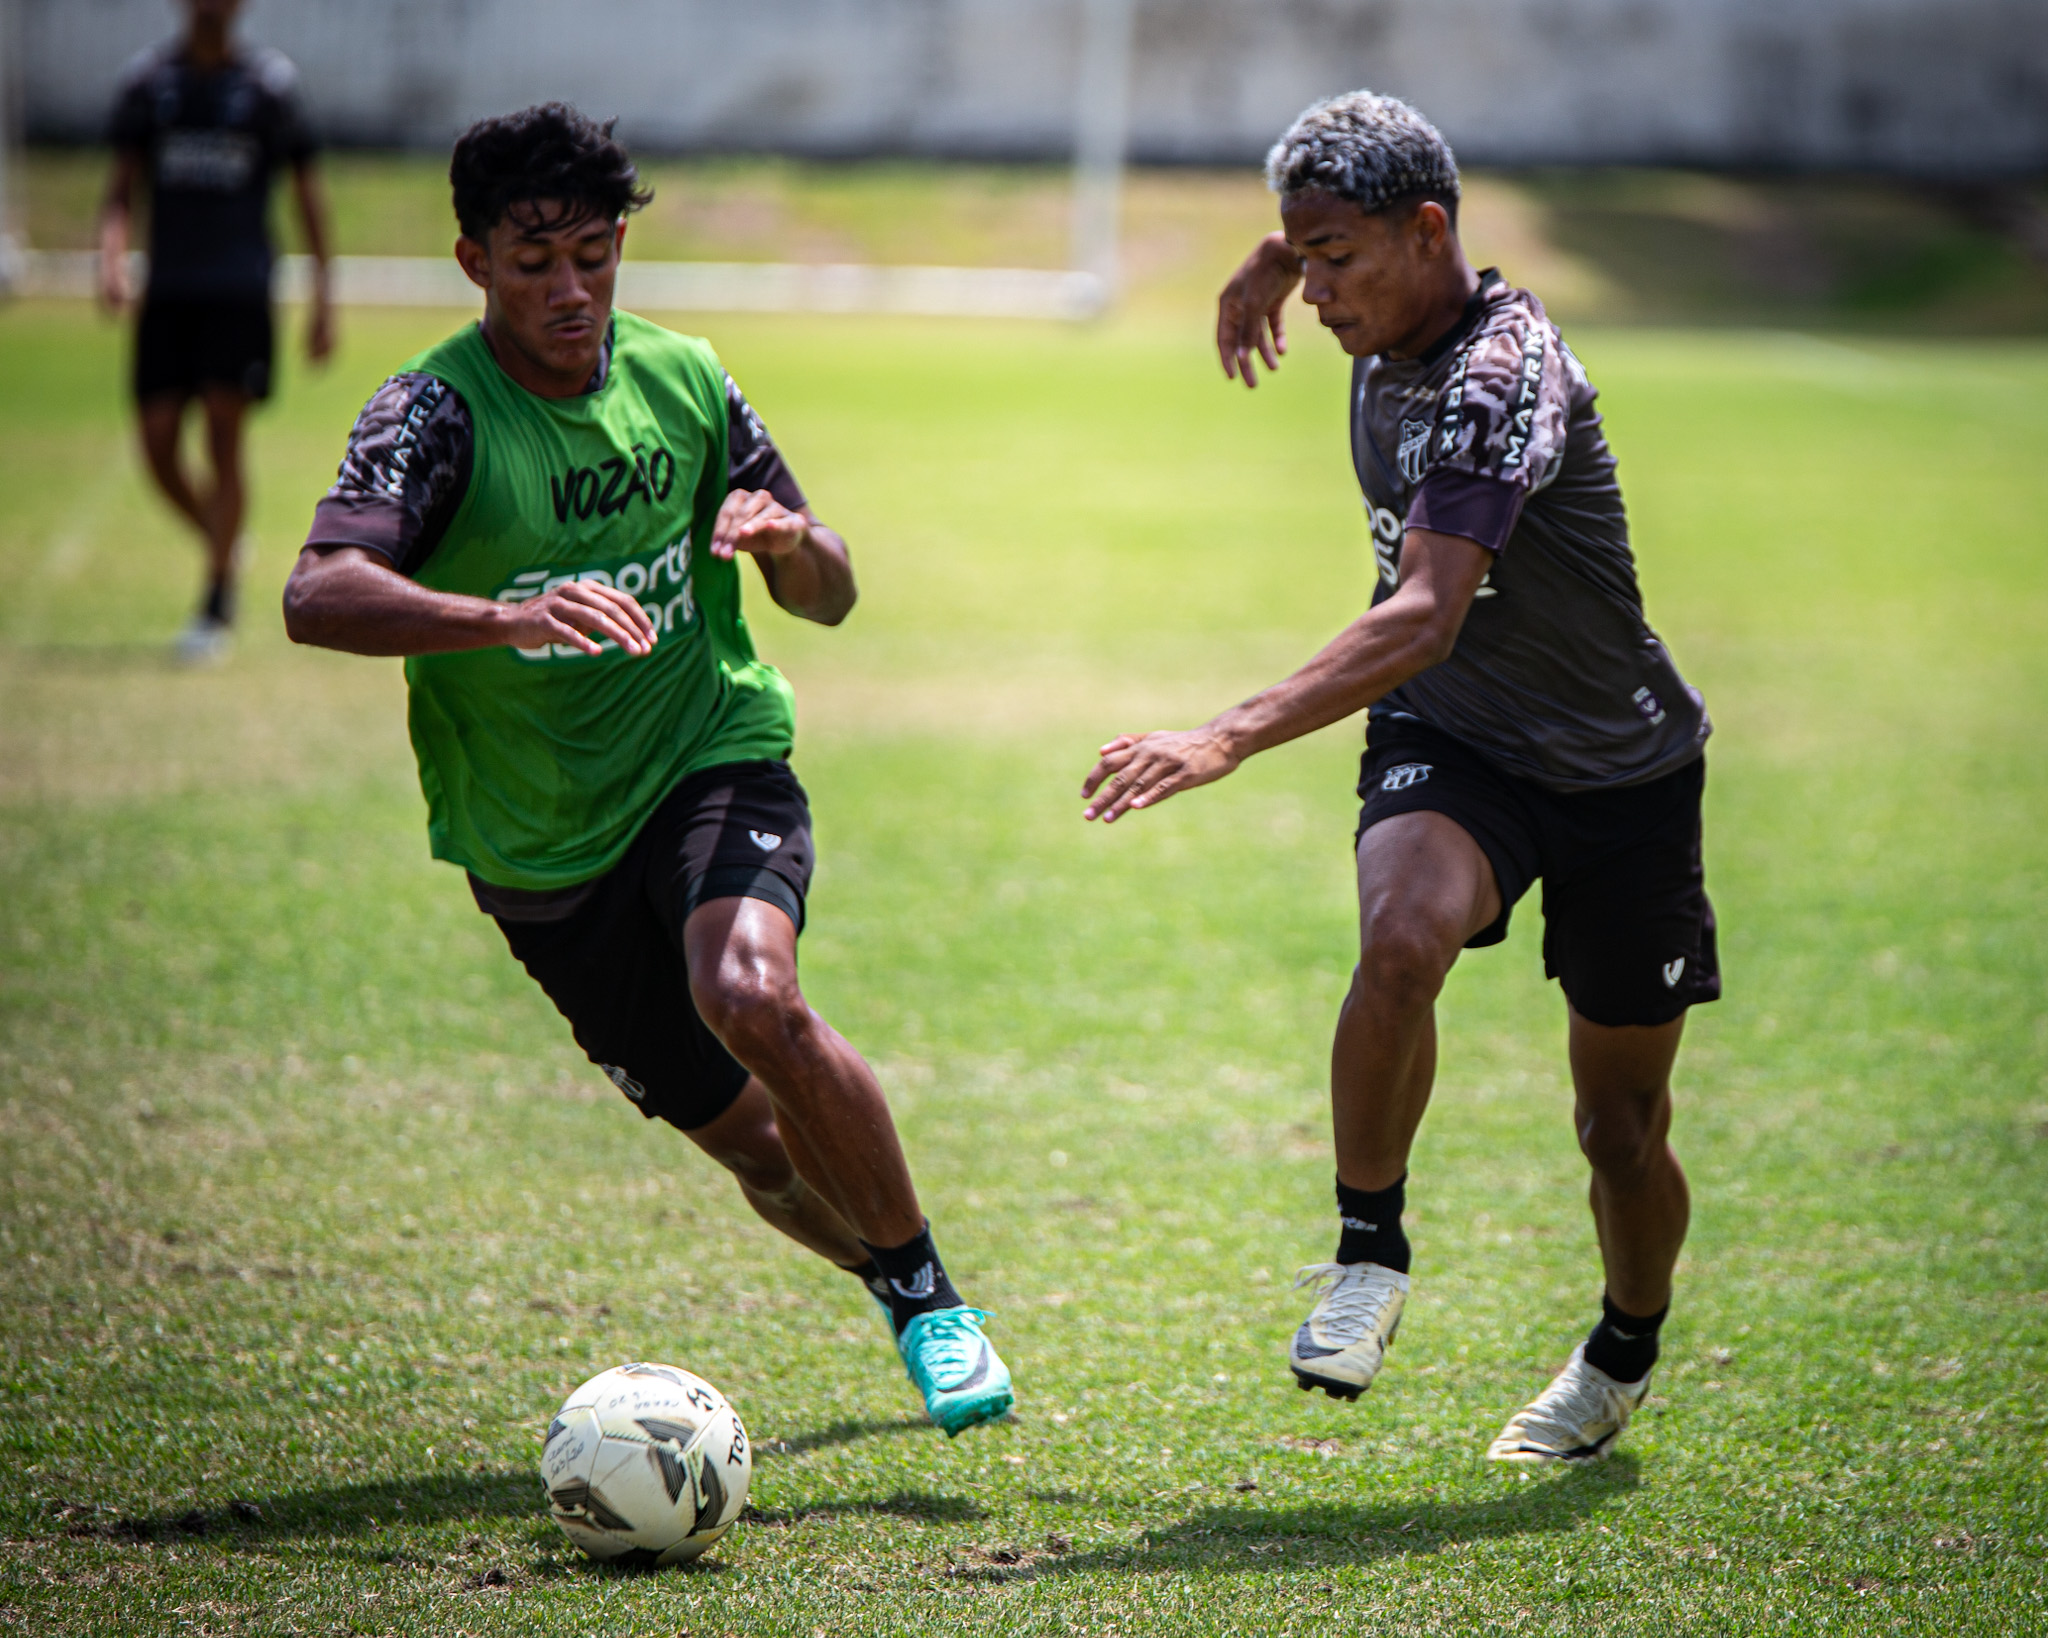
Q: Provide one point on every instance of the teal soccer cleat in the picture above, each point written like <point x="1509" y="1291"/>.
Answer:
<point x="963" y="1382"/>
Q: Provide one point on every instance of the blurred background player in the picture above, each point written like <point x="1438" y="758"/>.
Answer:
<point x="1524" y="722"/>
<point x="545" y="514"/>
<point x="206" y="124"/>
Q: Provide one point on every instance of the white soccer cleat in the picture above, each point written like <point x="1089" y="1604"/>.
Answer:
<point x="1576" y="1419"/>
<point x="1340" y="1345"/>
<point x="203" y="642"/>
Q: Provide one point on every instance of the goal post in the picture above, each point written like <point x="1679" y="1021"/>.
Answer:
<point x="1102" y="90"/>
<point x="13" y="238"/>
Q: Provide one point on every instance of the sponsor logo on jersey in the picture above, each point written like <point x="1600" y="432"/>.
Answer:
<point x="1673" y="972"/>
<point x="609" y="487"/>
<point x="406" y="442"/>
<point x="661" y="585"/>
<point x="1386" y="539"/>
<point x="766" y="840"/>
<point x="919" y="1286"/>
<point x="1523" y="417"/>
<point x="1648" y="703"/>
<point x="1413" y="453"/>
<point x="209" y="161"/>
<point x="1409" y="773"/>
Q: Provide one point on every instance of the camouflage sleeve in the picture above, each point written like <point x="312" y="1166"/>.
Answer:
<point x="405" y="472"/>
<point x="1506" y="407"/>
<point x="755" y="462"/>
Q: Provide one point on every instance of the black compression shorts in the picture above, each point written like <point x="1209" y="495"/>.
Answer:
<point x="184" y="346"/>
<point x="1628" y="930"/>
<point x="610" y="953"/>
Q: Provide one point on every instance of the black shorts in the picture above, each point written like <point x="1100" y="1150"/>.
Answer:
<point x="1627" y="928"/>
<point x="184" y="345"/>
<point x="610" y="953"/>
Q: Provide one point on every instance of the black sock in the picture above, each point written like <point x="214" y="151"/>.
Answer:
<point x="1372" y="1225"/>
<point x="220" y="602"/>
<point x="870" y="1275"/>
<point x="916" y="1278"/>
<point x="1624" y="1345"/>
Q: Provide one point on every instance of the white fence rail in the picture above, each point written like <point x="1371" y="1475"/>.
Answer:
<point x="702" y="287"/>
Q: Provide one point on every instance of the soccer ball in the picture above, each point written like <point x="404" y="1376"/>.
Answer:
<point x="646" y="1464"/>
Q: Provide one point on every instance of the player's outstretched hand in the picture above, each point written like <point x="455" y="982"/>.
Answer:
<point x="752" y="520"/>
<point x="584" y="615"/>
<point x="1251" y="314"/>
<point x="1143" y="770"/>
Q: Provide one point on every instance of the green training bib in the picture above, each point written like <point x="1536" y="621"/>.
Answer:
<point x="540" y="765"/>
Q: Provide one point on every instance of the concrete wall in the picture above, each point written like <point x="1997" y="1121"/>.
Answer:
<point x="1958" y="86"/>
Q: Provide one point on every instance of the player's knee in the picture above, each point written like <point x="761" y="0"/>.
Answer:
<point x="1402" y="960"/>
<point x="1621" y="1137"/>
<point x="758" y="1013"/>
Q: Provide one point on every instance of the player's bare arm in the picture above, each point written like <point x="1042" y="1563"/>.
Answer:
<point x="1251" y="312"/>
<point x="311" y="199"/>
<point x="1401" y="638"/>
<point x="350" y="598"/>
<point x="116" y="217"/>
<point x="806" y="565"/>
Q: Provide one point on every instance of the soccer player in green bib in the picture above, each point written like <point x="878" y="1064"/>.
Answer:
<point x="545" y="515"/>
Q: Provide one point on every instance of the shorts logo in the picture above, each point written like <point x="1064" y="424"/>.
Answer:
<point x="919" y="1286"/>
<point x="1673" y="971"/>
<point x="1648" y="704"/>
<point x="1413" y="453"/>
<point x="624" y="1082"/>
<point x="766" y="840"/>
<point x="1409" y="773"/>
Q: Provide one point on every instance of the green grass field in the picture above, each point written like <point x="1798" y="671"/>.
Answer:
<point x="309" y="1203"/>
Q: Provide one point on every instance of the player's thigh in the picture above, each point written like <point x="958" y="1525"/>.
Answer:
<point x="1424" y="868"/>
<point x="729" y="860"/>
<point x="227" y="408"/>
<point x="614" y="974"/>
<point x="159" y="419"/>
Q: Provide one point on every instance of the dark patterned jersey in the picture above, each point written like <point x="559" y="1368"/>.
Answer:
<point x="210" y="143"/>
<point x="1493" y="434"/>
<point x="409" y="457"/>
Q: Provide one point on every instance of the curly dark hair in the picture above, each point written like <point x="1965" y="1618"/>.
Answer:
<point x="549" y="163"/>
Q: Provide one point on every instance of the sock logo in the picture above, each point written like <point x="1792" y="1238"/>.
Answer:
<point x="1673" y="971"/>
<point x="919" y="1286"/>
<point x="1355" y="1223"/>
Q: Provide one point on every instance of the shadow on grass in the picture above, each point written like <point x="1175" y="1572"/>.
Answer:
<point x="837" y="1433"/>
<point x="465" y="1498"/>
<point x="337" y="1510"/>
<point x="921" y="1505"/>
<point x="1255" y="1536"/>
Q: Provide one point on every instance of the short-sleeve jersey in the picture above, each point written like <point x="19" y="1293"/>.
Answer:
<point x="1493" y="434"/>
<point x="210" y="144"/>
